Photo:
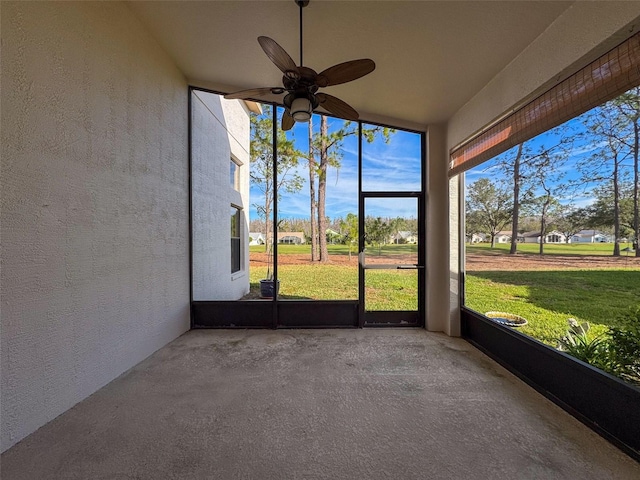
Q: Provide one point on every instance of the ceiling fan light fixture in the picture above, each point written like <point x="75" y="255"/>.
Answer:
<point x="301" y="83"/>
<point x="301" y="109"/>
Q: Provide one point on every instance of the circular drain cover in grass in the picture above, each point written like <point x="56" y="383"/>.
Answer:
<point x="508" y="319"/>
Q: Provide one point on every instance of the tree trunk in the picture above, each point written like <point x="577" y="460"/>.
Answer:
<point x="516" y="201"/>
<point x="493" y="240"/>
<point x="267" y="223"/>
<point x="312" y="195"/>
<point x="322" y="191"/>
<point x="616" y="210"/>
<point x="543" y="224"/>
<point x="636" y="182"/>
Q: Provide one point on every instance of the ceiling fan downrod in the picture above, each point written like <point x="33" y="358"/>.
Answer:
<point x="301" y="4"/>
<point x="301" y="84"/>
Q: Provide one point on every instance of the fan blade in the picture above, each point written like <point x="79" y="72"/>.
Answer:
<point x="254" y="92"/>
<point x="336" y="106"/>
<point x="287" y="121"/>
<point x="345" y="72"/>
<point x="277" y="55"/>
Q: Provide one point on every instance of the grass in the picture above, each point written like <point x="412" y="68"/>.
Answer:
<point x="548" y="298"/>
<point x="385" y="289"/>
<point x="549" y="248"/>
<point x="339" y="249"/>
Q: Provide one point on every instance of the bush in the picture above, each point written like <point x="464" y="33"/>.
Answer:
<point x="580" y="345"/>
<point x="624" y="348"/>
<point x="617" y="352"/>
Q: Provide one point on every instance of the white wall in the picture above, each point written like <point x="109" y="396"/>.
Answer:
<point x="220" y="129"/>
<point x="95" y="273"/>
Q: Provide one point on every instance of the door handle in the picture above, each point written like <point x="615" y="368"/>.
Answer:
<point x="410" y="267"/>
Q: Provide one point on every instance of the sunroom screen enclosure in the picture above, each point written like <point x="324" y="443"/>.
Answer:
<point x="330" y="218"/>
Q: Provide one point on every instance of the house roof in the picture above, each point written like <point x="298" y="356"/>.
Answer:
<point x="537" y="234"/>
<point x="291" y="234"/>
<point x="589" y="233"/>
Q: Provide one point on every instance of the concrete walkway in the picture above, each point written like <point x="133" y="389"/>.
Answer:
<point x="321" y="404"/>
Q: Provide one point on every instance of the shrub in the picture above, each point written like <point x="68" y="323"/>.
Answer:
<point x="624" y="347"/>
<point x="580" y="345"/>
<point x="617" y="352"/>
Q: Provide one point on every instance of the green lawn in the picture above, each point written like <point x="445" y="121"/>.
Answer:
<point x="385" y="289"/>
<point x="549" y="248"/>
<point x="548" y="298"/>
<point x="338" y="249"/>
<point x="545" y="298"/>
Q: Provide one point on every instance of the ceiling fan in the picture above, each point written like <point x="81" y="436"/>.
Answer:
<point x="301" y="83"/>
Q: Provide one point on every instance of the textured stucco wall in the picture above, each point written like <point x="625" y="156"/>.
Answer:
<point x="220" y="129"/>
<point x="442" y="253"/>
<point x="95" y="273"/>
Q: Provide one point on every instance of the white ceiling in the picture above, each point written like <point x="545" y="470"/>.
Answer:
<point x="431" y="57"/>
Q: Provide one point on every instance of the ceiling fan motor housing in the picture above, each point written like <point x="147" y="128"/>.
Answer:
<point x="301" y="84"/>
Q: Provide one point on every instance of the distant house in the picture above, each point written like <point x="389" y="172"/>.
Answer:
<point x="476" y="238"/>
<point x="291" y="238"/>
<point x="404" y="236"/>
<point x="590" y="236"/>
<point x="551" y="237"/>
<point x="256" y="238"/>
<point x="503" y="236"/>
<point x="333" y="236"/>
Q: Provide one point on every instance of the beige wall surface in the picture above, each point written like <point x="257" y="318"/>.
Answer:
<point x="95" y="273"/>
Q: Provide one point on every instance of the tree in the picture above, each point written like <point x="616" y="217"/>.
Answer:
<point x="608" y="126"/>
<point x="515" y="167"/>
<point x="600" y="214"/>
<point x="377" y="231"/>
<point x="570" y="220"/>
<point x="489" y="206"/>
<point x="262" y="176"/>
<point x="328" y="147"/>
<point x="545" y="206"/>
<point x="517" y="180"/>
<point x="547" y="178"/>
<point x="349" y="228"/>
<point x="312" y="195"/>
<point x="628" y="105"/>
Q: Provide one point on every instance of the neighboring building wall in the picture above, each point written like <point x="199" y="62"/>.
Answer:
<point x="532" y="239"/>
<point x="95" y="260"/>
<point x="220" y="130"/>
<point x="551" y="237"/>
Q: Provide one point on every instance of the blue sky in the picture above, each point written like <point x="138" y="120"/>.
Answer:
<point x="584" y="146"/>
<point x="396" y="166"/>
<point x="392" y="166"/>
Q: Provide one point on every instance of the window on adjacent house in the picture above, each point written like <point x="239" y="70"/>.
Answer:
<point x="235" y="239"/>
<point x="234" y="169"/>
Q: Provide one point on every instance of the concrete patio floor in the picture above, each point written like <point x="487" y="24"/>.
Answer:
<point x="312" y="404"/>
